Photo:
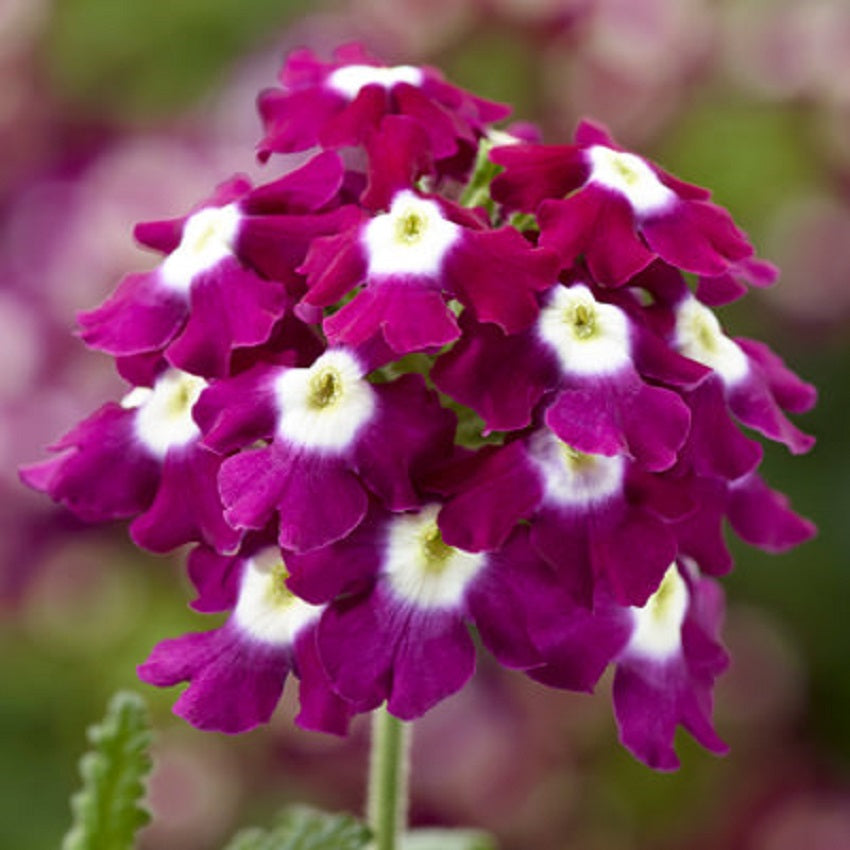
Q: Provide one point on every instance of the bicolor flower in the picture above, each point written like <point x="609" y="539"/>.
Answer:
<point x="666" y="672"/>
<point x="229" y="274"/>
<point x="579" y="356"/>
<point x="331" y="438"/>
<point x="141" y="458"/>
<point x="617" y="209"/>
<point x="399" y="631"/>
<point x="341" y="102"/>
<point x="411" y="260"/>
<point x="236" y="673"/>
<point x="600" y="521"/>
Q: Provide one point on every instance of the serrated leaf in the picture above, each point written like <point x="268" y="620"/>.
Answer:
<point x="447" y="839"/>
<point x="107" y="810"/>
<point x="302" y="828"/>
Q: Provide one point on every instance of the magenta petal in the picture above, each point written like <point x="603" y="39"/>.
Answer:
<point x="304" y="189"/>
<point x="141" y="315"/>
<point x="186" y="508"/>
<point x="399" y="154"/>
<point x="230" y="307"/>
<point x="536" y="172"/>
<point x="360" y="117"/>
<point x="235" y="683"/>
<point x="318" y="498"/>
<point x="496" y="273"/>
<point x="216" y="578"/>
<point x="410" y="313"/>
<point x="790" y="392"/>
<point x="525" y="371"/>
<point x="334" y="265"/>
<point x="411" y="432"/>
<point x="103" y="472"/>
<point x="322" y="710"/>
<point x="293" y="119"/>
<point x="434" y="658"/>
<point x="763" y="517"/>
<point x="588" y="420"/>
<point x="696" y="236"/>
<point x="752" y="402"/>
<point x="502" y="487"/>
<point x="599" y="224"/>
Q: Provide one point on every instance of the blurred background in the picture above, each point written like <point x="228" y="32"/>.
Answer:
<point x="113" y="112"/>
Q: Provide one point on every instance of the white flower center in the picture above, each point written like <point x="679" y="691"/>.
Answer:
<point x="421" y="568"/>
<point x="164" y="417"/>
<point x="700" y="337"/>
<point x="208" y="237"/>
<point x="589" y="337"/>
<point x="267" y="609"/>
<point x="324" y="406"/>
<point x="349" y="81"/>
<point x="631" y="177"/>
<point x="411" y="239"/>
<point x="571" y="477"/>
<point x="658" y="624"/>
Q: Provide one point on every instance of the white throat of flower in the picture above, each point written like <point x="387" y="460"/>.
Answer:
<point x="571" y="477"/>
<point x="351" y="79"/>
<point x="412" y="239"/>
<point x="323" y="407"/>
<point x="698" y="335"/>
<point x="267" y="609"/>
<point x="164" y="412"/>
<point x="209" y="236"/>
<point x="589" y="337"/>
<point x="631" y="177"/>
<point x="658" y="624"/>
<point x="421" y="568"/>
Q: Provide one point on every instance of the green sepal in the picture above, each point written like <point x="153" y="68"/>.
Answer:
<point x="447" y="839"/>
<point x="476" y="193"/>
<point x="303" y="828"/>
<point x="107" y="810"/>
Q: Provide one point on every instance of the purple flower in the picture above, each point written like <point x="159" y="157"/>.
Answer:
<point x="331" y="436"/>
<point x="140" y="458"/>
<point x="579" y="356"/>
<point x="236" y="673"/>
<point x="620" y="211"/>
<point x="399" y="631"/>
<point x="411" y="259"/>
<point x="341" y="102"/>
<point x="229" y="274"/>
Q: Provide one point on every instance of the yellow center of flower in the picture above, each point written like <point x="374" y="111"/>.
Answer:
<point x="581" y="319"/>
<point x="410" y="227"/>
<point x="325" y="388"/>
<point x="435" y="550"/>
<point x="278" y="594"/>
<point x="575" y="460"/>
<point x="623" y="169"/>
<point x="659" y="603"/>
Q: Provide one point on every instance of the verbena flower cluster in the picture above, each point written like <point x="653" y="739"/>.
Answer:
<point x="388" y="398"/>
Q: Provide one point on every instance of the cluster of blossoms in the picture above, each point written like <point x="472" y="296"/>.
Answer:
<point x="389" y="398"/>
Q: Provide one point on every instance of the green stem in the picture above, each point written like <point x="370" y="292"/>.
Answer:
<point x="386" y="807"/>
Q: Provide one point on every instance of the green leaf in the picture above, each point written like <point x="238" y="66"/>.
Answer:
<point x="447" y="839"/>
<point x="302" y="828"/>
<point x="107" y="810"/>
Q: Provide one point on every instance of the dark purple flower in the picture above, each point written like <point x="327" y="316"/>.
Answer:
<point x="411" y="260"/>
<point x="399" y="634"/>
<point x="332" y="438"/>
<point x="579" y="356"/>
<point x="141" y="458"/>
<point x="236" y="673"/>
<point x="618" y="210"/>
<point x="229" y="275"/>
<point x="341" y="102"/>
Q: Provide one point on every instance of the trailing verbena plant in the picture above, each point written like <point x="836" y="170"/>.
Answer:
<point x="439" y="376"/>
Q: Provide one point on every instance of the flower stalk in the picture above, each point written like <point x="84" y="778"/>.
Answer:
<point x="386" y="806"/>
